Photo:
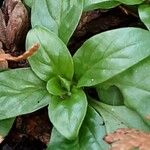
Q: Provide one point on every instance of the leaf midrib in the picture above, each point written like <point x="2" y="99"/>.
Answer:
<point x="103" y="58"/>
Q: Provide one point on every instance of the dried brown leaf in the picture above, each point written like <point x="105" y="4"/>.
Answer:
<point x="8" y="6"/>
<point x="128" y="139"/>
<point x="1" y="139"/>
<point x="2" y="28"/>
<point x="3" y="64"/>
<point x="30" y="52"/>
<point x="17" y="25"/>
<point x="15" y="16"/>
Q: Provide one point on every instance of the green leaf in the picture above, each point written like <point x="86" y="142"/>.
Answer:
<point x="21" y="92"/>
<point x="54" y="87"/>
<point x="110" y="96"/>
<point x="93" y="131"/>
<point x="28" y="2"/>
<point x="135" y="87"/>
<point x="41" y="16"/>
<point x="131" y="2"/>
<point x="60" y="16"/>
<point x="52" y="58"/>
<point x="144" y="13"/>
<point x="106" y="54"/>
<point x="90" y="136"/>
<point x="116" y="117"/>
<point x="5" y="126"/>
<point x="59" y="142"/>
<point x="65" y="83"/>
<point x="67" y="113"/>
<point x="103" y="4"/>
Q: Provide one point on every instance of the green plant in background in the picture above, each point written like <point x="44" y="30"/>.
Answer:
<point x="115" y="63"/>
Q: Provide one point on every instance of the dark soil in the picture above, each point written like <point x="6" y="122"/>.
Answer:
<point x="32" y="132"/>
<point x="29" y="132"/>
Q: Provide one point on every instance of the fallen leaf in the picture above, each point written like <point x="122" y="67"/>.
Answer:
<point x="8" y="6"/>
<point x="1" y="139"/>
<point x="15" y="18"/>
<point x="3" y="64"/>
<point x="128" y="139"/>
<point x="17" y="25"/>
<point x="2" y="28"/>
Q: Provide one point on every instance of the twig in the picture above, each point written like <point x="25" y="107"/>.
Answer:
<point x="28" y="53"/>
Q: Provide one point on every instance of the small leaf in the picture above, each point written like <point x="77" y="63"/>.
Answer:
<point x="103" y="4"/>
<point x="60" y="17"/>
<point x="54" y="87"/>
<point x="144" y="13"/>
<point x="65" y="83"/>
<point x="28" y="2"/>
<point x="5" y="126"/>
<point x="107" y="55"/>
<point x="90" y="136"/>
<point x="52" y="58"/>
<point x="110" y="96"/>
<point x="67" y="113"/>
<point x="21" y="92"/>
<point x="116" y="117"/>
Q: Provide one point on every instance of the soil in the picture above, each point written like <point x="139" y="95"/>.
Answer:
<point x="32" y="131"/>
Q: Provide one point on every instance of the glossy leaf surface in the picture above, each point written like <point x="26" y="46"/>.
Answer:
<point x="21" y="92"/>
<point x="116" y="117"/>
<point x="52" y="58"/>
<point x="60" y="16"/>
<point x="103" y="4"/>
<point x="67" y="113"/>
<point x="106" y="54"/>
<point x="90" y="136"/>
<point x="131" y="2"/>
<point x="144" y="13"/>
<point x="54" y="87"/>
